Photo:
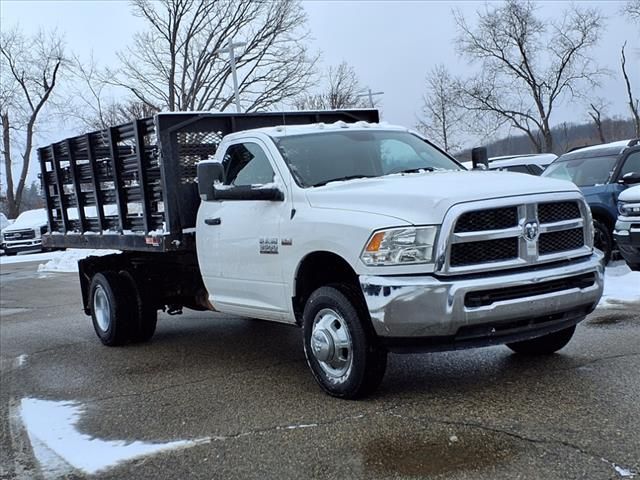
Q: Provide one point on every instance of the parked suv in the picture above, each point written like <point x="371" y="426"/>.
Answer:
<point x="25" y="234"/>
<point x="602" y="172"/>
<point x="533" y="164"/>
<point x="627" y="232"/>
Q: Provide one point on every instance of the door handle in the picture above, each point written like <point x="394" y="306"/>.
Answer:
<point x="213" y="221"/>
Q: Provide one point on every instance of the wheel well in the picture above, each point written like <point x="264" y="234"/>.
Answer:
<point x="318" y="269"/>
<point x="603" y="216"/>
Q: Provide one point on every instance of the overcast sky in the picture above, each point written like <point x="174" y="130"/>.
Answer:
<point x="391" y="44"/>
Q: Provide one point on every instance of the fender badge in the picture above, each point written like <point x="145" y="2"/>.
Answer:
<point x="268" y="245"/>
<point x="286" y="241"/>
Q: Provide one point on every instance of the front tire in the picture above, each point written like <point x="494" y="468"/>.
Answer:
<point x="603" y="239"/>
<point x="340" y="345"/>
<point x="545" y="345"/>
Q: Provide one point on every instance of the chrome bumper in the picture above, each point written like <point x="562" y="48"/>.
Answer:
<point x="426" y="306"/>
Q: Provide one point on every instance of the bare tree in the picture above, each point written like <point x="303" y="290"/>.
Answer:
<point x="631" y="10"/>
<point x="30" y="68"/>
<point x="96" y="106"/>
<point x="441" y="112"/>
<point x="341" y="91"/>
<point x="634" y="102"/>
<point x="176" y="63"/>
<point x="596" y="109"/>
<point x="528" y="64"/>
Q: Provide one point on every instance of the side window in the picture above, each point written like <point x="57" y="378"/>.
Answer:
<point x="631" y="164"/>
<point x="246" y="164"/>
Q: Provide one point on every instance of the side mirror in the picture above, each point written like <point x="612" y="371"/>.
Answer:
<point x="208" y="174"/>
<point x="479" y="158"/>
<point x="630" y="178"/>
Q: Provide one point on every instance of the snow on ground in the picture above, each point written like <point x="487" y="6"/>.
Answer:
<point x="60" y="261"/>
<point x="51" y="427"/>
<point x="67" y="261"/>
<point x="621" y="285"/>
<point x="27" y="257"/>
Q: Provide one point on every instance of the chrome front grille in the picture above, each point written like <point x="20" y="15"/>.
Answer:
<point x="514" y="232"/>
<point x="19" y="235"/>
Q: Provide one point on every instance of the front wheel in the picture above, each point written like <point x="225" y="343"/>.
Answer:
<point x="339" y="343"/>
<point x="603" y="239"/>
<point x="545" y="345"/>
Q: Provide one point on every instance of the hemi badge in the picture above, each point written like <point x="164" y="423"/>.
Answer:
<point x="286" y="241"/>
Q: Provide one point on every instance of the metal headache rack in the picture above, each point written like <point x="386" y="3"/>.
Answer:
<point x="133" y="186"/>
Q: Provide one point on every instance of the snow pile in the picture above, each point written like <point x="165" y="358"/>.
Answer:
<point x="67" y="261"/>
<point x="621" y="285"/>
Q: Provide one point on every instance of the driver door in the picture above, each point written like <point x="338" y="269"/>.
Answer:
<point x="246" y="275"/>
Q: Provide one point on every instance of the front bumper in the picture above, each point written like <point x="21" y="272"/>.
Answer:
<point x="420" y="307"/>
<point x="22" y="245"/>
<point x="627" y="235"/>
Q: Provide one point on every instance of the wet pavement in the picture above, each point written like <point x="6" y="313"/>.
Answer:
<point x="213" y="396"/>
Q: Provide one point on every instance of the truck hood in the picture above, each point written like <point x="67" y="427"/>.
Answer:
<point x="32" y="219"/>
<point x="631" y="194"/>
<point x="425" y="198"/>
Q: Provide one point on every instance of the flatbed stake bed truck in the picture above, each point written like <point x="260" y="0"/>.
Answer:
<point x="366" y="235"/>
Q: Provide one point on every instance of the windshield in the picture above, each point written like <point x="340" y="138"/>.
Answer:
<point x="320" y="158"/>
<point x="583" y="171"/>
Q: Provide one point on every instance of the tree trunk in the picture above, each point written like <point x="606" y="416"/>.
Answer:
<point x="547" y="146"/>
<point x="13" y="207"/>
<point x="633" y="104"/>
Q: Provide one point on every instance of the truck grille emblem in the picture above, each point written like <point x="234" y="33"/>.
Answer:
<point x="530" y="231"/>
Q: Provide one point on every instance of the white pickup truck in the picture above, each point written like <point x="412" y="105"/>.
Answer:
<point x="366" y="235"/>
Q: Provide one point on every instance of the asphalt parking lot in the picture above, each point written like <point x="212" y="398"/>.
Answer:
<point x="219" y="397"/>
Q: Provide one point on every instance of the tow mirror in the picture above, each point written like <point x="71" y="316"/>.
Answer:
<point x="479" y="158"/>
<point x="248" y="192"/>
<point x="630" y="178"/>
<point x="208" y="174"/>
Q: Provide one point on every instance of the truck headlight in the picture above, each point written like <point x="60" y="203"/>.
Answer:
<point x="400" y="246"/>
<point x="627" y="209"/>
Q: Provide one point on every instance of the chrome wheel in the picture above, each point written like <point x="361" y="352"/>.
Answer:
<point x="101" y="308"/>
<point x="331" y="343"/>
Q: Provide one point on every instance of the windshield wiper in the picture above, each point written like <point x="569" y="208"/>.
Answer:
<point x="413" y="170"/>
<point x="340" y="179"/>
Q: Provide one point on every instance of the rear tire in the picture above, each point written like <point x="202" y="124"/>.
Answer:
<point x="545" y="345"/>
<point x="112" y="308"/>
<point x="603" y="239"/>
<point x="145" y="315"/>
<point x="339" y="343"/>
